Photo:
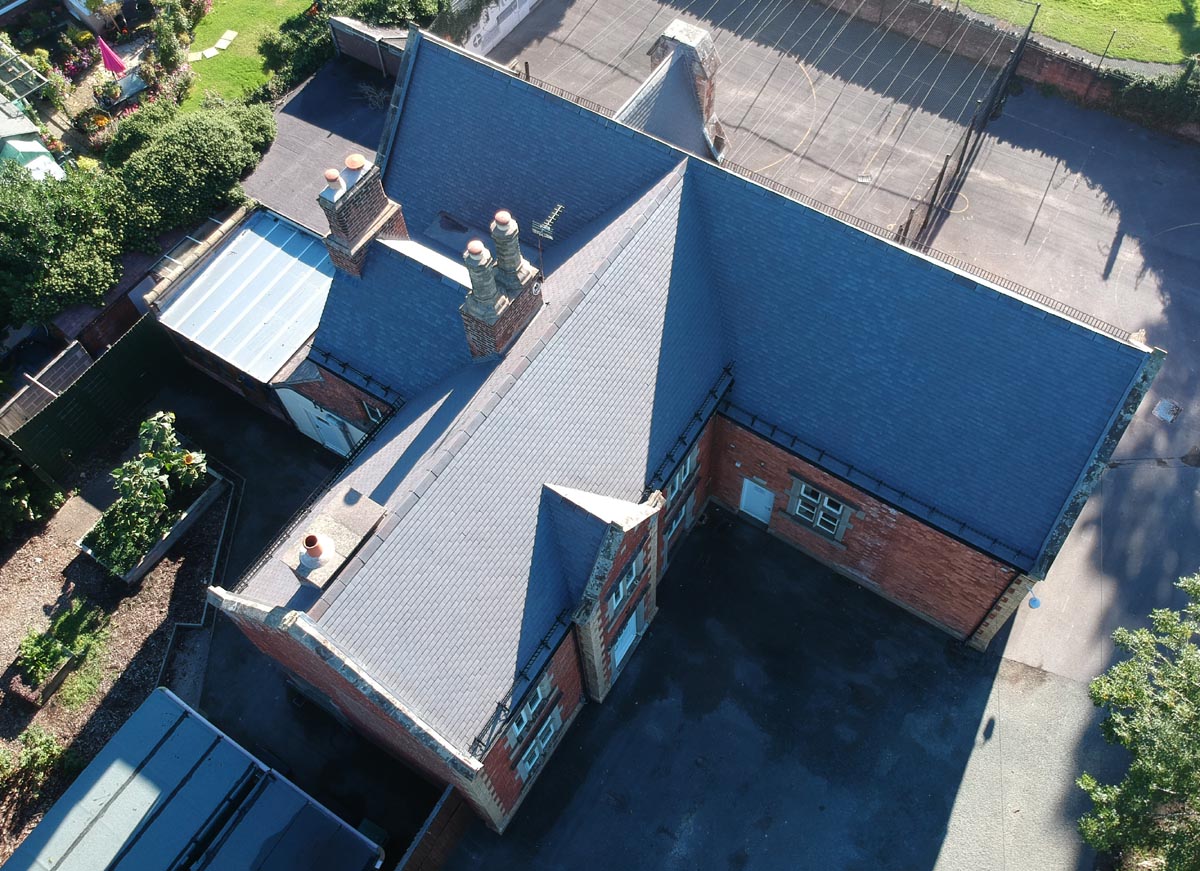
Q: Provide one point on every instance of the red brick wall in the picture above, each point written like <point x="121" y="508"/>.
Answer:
<point x="949" y="583"/>
<point x="349" y="701"/>
<point x="500" y="764"/>
<point x="340" y="397"/>
<point x="485" y="339"/>
<point x="440" y="836"/>
<point x="635" y="540"/>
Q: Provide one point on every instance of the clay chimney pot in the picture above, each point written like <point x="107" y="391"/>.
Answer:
<point x="355" y="162"/>
<point x="332" y="175"/>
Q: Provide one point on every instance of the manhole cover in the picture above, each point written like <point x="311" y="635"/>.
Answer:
<point x="1167" y="410"/>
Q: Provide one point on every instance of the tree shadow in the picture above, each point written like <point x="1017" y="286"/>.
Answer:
<point x="1184" y="21"/>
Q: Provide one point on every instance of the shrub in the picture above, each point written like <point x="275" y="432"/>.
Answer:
<point x="1167" y="100"/>
<point x="38" y="654"/>
<point x="135" y="130"/>
<point x="257" y="124"/>
<point x="40" y="754"/>
<point x="57" y="88"/>
<point x="23" y="497"/>
<point x="166" y="40"/>
<point x="39" y="60"/>
<point x="189" y="170"/>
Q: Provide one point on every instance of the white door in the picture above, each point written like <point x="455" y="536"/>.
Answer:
<point x="624" y="642"/>
<point x="757" y="500"/>
<point x="329" y="433"/>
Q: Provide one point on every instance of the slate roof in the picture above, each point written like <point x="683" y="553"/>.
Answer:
<point x="407" y="353"/>
<point x="587" y="412"/>
<point x="959" y="402"/>
<point x="665" y="105"/>
<point x="154" y="791"/>
<point x="258" y="299"/>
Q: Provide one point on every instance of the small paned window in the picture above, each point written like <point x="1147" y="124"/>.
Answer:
<point x="625" y="585"/>
<point x="528" y="711"/>
<point x="683" y="474"/>
<point x="819" y="510"/>
<point x="539" y="747"/>
<point x="678" y="520"/>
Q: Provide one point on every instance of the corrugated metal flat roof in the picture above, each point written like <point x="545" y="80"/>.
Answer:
<point x="169" y="790"/>
<point x="258" y="299"/>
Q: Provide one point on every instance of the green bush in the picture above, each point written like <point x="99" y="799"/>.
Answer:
<point x="124" y="534"/>
<point x="39" y="654"/>
<point x="136" y="130"/>
<point x="60" y="243"/>
<point x="190" y="170"/>
<point x="40" y="754"/>
<point x="23" y="497"/>
<point x="257" y="124"/>
<point x="1166" y="101"/>
<point x="166" y="42"/>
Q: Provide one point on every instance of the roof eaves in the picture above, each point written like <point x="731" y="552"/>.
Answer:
<point x="1098" y="461"/>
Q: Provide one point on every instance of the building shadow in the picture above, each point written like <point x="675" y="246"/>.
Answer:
<point x="775" y="715"/>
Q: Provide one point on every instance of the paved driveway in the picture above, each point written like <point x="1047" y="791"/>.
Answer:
<point x="778" y="716"/>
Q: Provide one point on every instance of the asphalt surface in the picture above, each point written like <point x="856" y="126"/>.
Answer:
<point x="321" y="122"/>
<point x="841" y="110"/>
<point x="1101" y="214"/>
<point x="779" y="716"/>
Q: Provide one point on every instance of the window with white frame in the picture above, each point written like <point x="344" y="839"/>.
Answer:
<point x="683" y="474"/>
<point x="528" y="711"/>
<point x="678" y="520"/>
<point x="625" y="585"/>
<point x="819" y="510"/>
<point x="540" y="745"/>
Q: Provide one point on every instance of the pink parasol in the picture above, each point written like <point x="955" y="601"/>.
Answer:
<point x="112" y="60"/>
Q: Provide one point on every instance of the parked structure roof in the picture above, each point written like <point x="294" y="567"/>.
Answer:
<point x="957" y="401"/>
<point x="170" y="790"/>
<point x="258" y="299"/>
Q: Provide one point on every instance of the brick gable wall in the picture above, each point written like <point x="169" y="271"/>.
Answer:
<point x="566" y="694"/>
<point x="944" y="581"/>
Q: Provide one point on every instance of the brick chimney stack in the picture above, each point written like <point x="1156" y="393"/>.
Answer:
<point x="695" y="45"/>
<point x="358" y="211"/>
<point x="512" y="269"/>
<point x="505" y="290"/>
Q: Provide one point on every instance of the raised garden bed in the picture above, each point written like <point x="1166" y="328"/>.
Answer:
<point x="37" y="695"/>
<point x="170" y="532"/>
<point x="163" y="489"/>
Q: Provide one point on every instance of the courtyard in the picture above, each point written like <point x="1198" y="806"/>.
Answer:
<point x="779" y="716"/>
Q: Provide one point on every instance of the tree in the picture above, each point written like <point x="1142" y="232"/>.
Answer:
<point x="189" y="170"/>
<point x="60" y="243"/>
<point x="1152" y="700"/>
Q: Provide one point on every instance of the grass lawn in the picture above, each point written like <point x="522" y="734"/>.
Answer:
<point x="240" y="66"/>
<point x="1148" y="30"/>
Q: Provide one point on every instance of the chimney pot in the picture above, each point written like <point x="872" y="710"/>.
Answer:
<point x="332" y="174"/>
<point x="355" y="162"/>
<point x="475" y="248"/>
<point x="503" y="217"/>
<point x="318" y="550"/>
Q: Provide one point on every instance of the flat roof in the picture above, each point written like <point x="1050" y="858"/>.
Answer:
<point x="170" y="790"/>
<point x="258" y="299"/>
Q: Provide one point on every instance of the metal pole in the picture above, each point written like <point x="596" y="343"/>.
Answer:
<point x="1104" y="56"/>
<point x="956" y="2"/>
